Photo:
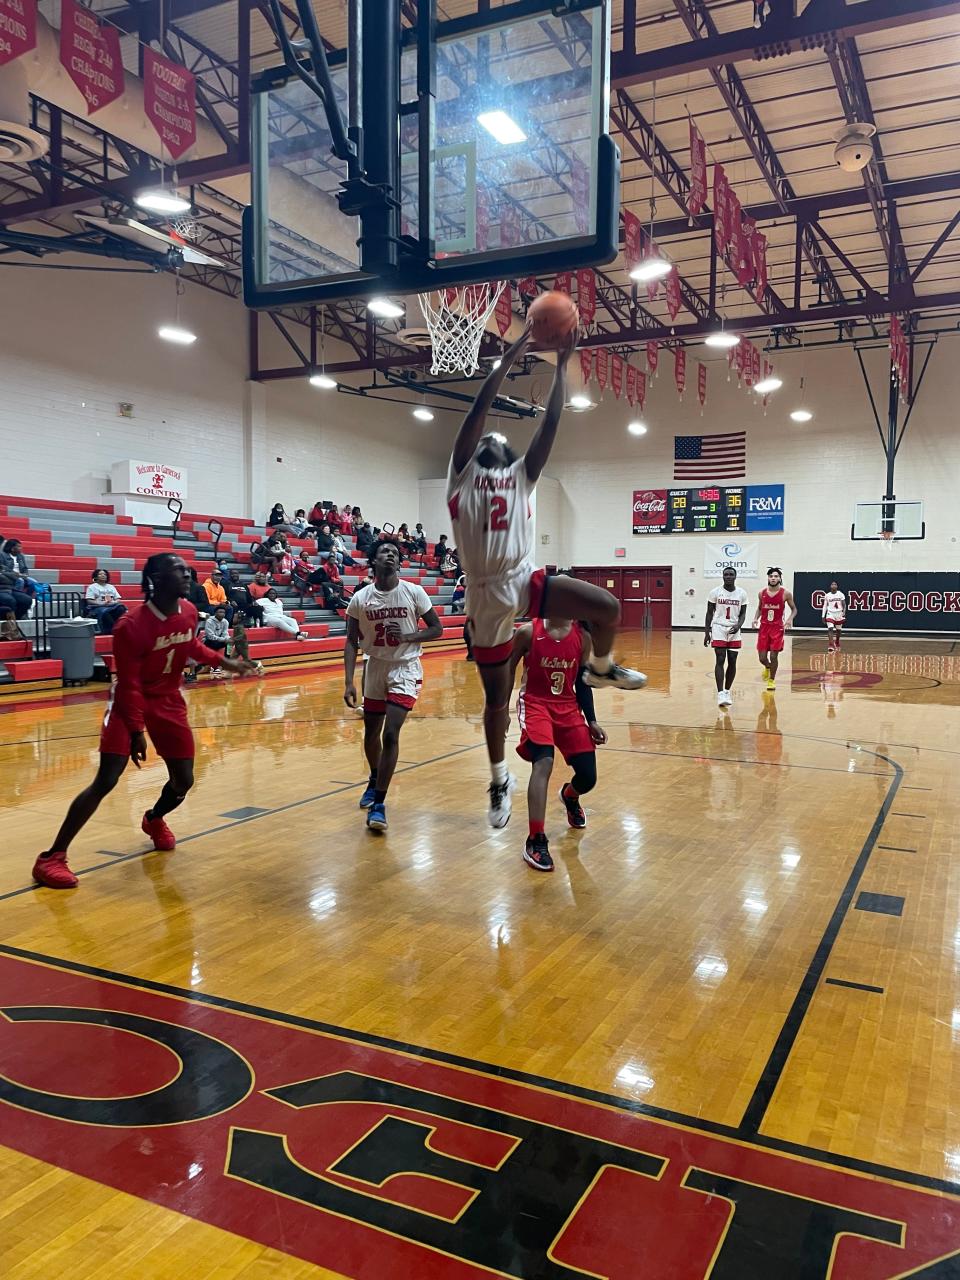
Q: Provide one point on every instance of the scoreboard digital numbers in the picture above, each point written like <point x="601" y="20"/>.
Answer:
<point x="707" y="510"/>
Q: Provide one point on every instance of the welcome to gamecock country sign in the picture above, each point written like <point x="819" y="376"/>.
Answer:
<point x="149" y="479"/>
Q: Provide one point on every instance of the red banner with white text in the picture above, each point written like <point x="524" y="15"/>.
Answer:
<point x="18" y="28"/>
<point x="169" y="100"/>
<point x="90" y="53"/>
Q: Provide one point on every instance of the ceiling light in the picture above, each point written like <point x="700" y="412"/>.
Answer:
<point x="723" y="339"/>
<point x="766" y="385"/>
<point x="323" y="380"/>
<point x="497" y="363"/>
<point x="637" y="428"/>
<point x="502" y="127"/>
<point x="384" y="307"/>
<point x="580" y="401"/>
<point x="162" y="200"/>
<point x="651" y="269"/>
<point x="801" y="415"/>
<point x="176" y="333"/>
<point x="423" y="413"/>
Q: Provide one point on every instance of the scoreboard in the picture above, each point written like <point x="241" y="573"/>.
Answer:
<point x="707" y="510"/>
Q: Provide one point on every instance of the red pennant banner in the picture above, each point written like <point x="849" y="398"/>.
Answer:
<point x="18" y="28"/>
<point x="481" y="226"/>
<point x="503" y="311"/>
<point x="170" y="102"/>
<point x="899" y="356"/>
<point x="741" y="257"/>
<point x="587" y="295"/>
<point x="616" y="375"/>
<point x="760" y="265"/>
<point x="653" y="356"/>
<point x="721" y="232"/>
<point x="603" y="366"/>
<point x="509" y="225"/>
<point x="527" y="286"/>
<point x="680" y="368"/>
<point x="697" y="195"/>
<point x="641" y="389"/>
<point x="91" y="55"/>
<point x="671" y="289"/>
<point x="755" y="364"/>
<point x="562" y="281"/>
<point x="701" y="383"/>
<point x="580" y="194"/>
<point x="631" y="384"/>
<point x="586" y="364"/>
<point x="740" y="357"/>
<point x="748" y="350"/>
<point x="632" y="237"/>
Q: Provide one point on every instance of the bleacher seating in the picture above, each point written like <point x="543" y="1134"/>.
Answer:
<point x="64" y="542"/>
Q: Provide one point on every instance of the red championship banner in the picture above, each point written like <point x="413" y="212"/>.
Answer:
<point x="741" y="252"/>
<point x="641" y="389"/>
<point x="680" y="369"/>
<point x="701" y="383"/>
<point x="580" y="193"/>
<point x="755" y="365"/>
<point x="671" y="290"/>
<point x="587" y="295"/>
<point x="631" y="384"/>
<point x="527" y="286"/>
<point x="616" y="375"/>
<point x="503" y="311"/>
<point x="562" y="281"/>
<point x="509" y="225"/>
<point x="603" y="367"/>
<point x="18" y="28"/>
<point x="760" y="265"/>
<point x="697" y="195"/>
<point x="649" y="510"/>
<point x="899" y="356"/>
<point x="721" y="228"/>
<point x="653" y="356"/>
<point x="170" y="102"/>
<point x="91" y="55"/>
<point x="586" y="364"/>
<point x="632" y="236"/>
<point x="740" y="357"/>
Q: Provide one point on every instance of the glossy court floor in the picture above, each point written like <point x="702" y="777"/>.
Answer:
<point x="722" y="1039"/>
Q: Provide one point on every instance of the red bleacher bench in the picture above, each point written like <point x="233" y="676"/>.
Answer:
<point x="10" y="649"/>
<point x="290" y="648"/>
<point x="39" y="669"/>
<point x="56" y="505"/>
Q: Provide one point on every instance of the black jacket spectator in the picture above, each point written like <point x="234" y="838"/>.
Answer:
<point x="324" y="540"/>
<point x="241" y="599"/>
<point x="365" y="538"/>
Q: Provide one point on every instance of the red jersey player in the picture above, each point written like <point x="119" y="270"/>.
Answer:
<point x="772" y="604"/>
<point x="555" y="709"/>
<point x="151" y="647"/>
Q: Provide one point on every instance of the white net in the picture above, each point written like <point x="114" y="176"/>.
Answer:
<point x="187" y="229"/>
<point x="457" y="319"/>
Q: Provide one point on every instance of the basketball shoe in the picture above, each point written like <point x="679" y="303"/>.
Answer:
<point x="501" y="806"/>
<point x="615" y="677"/>
<point x="377" y="817"/>
<point x="51" y="870"/>
<point x="370" y="793"/>
<point x="575" y="815"/>
<point x="536" y="853"/>
<point x="163" y="838"/>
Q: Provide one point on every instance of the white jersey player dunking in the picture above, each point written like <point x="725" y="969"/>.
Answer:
<point x="488" y="494"/>
<point x="383" y="619"/>
<point x="834" y="613"/>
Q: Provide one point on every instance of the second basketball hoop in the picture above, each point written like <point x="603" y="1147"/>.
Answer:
<point x="457" y="319"/>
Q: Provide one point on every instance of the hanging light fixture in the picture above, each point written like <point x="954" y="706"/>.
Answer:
<point x="766" y="385"/>
<point x="802" y="413"/>
<point x="637" y="428"/>
<point x="651" y="267"/>
<point x="177" y="332"/>
<point x="162" y="199"/>
<point x="322" y="379"/>
<point x="422" y="413"/>
<point x="385" y="308"/>
<point x="580" y="400"/>
<point x="722" y="338"/>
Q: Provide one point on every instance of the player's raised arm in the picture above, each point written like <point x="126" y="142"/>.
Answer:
<point x="536" y="456"/>
<point x="471" y="429"/>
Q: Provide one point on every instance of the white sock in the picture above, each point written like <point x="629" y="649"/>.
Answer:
<point x="601" y="664"/>
<point x="498" y="771"/>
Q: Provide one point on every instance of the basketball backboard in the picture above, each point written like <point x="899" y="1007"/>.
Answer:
<point x="484" y="147"/>
<point x="888" y="521"/>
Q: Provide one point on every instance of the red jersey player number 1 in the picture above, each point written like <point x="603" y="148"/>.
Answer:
<point x="151" y="646"/>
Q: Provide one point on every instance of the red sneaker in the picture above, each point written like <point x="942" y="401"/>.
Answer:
<point x="163" y="838"/>
<point x="51" y="870"/>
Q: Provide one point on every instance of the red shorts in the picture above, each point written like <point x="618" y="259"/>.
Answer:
<point x="167" y="725"/>
<point x="543" y="724"/>
<point x="725" y="644"/>
<point x="769" y="639"/>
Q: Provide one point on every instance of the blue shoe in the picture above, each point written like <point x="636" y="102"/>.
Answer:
<point x="377" y="817"/>
<point x="366" y="800"/>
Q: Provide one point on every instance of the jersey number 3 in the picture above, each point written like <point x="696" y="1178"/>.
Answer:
<point x="498" y="515"/>
<point x="557" y="680"/>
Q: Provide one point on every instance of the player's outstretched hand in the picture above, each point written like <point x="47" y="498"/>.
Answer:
<point x="350" y="695"/>
<point x="239" y="666"/>
<point x="598" y="735"/>
<point x="138" y="747"/>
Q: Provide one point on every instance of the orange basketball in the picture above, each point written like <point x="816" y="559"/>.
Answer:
<point x="554" y="317"/>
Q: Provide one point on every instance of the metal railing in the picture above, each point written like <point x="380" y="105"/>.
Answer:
<point x="216" y="528"/>
<point x="175" y="507"/>
<point x="59" y="605"/>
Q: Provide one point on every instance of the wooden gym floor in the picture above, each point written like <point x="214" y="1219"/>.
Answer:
<point x="720" y="1040"/>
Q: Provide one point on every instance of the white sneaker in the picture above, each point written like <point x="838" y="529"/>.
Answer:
<point x="501" y="806"/>
<point x="616" y="677"/>
<point x="727" y="697"/>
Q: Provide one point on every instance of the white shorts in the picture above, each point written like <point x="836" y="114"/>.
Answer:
<point x="493" y="606"/>
<point x="396" y="682"/>
<point x="833" y="623"/>
<point x="721" y="638"/>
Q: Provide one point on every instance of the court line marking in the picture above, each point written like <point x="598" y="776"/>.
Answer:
<point x="855" y="986"/>
<point x="756" y="1109"/>
<point x="896" y="814"/>
<point x="541" y="1083"/>
<point x="776" y="764"/>
<point x="896" y="848"/>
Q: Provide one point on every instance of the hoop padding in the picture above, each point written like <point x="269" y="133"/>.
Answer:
<point x="457" y="319"/>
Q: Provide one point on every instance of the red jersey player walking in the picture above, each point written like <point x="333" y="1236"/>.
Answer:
<point x="555" y="709"/>
<point x="772" y="604"/>
<point x="151" y="647"/>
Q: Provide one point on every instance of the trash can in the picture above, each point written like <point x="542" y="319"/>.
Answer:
<point x="71" y="642"/>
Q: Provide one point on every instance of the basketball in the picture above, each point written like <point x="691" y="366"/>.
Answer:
<point x="555" y="317"/>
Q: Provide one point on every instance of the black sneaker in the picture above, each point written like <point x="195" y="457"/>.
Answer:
<point x="536" y="853"/>
<point x="616" y="677"/>
<point x="575" y="815"/>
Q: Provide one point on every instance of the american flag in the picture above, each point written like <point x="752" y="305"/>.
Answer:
<point x="703" y="458"/>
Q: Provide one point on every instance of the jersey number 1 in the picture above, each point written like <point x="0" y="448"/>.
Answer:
<point x="498" y="515"/>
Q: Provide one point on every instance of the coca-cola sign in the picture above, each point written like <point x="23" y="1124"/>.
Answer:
<point x="649" y="510"/>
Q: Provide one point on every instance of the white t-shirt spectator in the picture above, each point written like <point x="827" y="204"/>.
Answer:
<point x="101" y="593"/>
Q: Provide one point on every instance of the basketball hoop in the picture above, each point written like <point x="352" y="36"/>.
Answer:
<point x="457" y="319"/>
<point x="887" y="538"/>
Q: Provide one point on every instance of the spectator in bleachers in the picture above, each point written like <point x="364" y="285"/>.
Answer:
<point x="102" y="602"/>
<point x="198" y="597"/>
<point x="403" y="539"/>
<point x="324" y="539"/>
<point x="356" y="518"/>
<point x="418" y="540"/>
<point x="333" y="519"/>
<point x="440" y="550"/>
<point x="278" y="521"/>
<point x="241" y="600"/>
<point x="271" y="553"/>
<point x="216" y="630"/>
<point x="259" y="586"/>
<point x="215" y="593"/>
<point x="302" y="570"/>
<point x="299" y="525"/>
<point x="328" y="579"/>
<point x="11" y="597"/>
<point x="317" y="517"/>
<point x="274" y="616"/>
<point x="340" y="551"/>
<point x="12" y="561"/>
<point x="346" y="518"/>
<point x="459" y="591"/>
<point x="365" y="538"/>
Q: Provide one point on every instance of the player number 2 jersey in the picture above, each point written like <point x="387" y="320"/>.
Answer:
<point x="492" y="519"/>
<point x="383" y="614"/>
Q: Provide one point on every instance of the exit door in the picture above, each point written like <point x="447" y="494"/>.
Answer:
<point x="645" y="593"/>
